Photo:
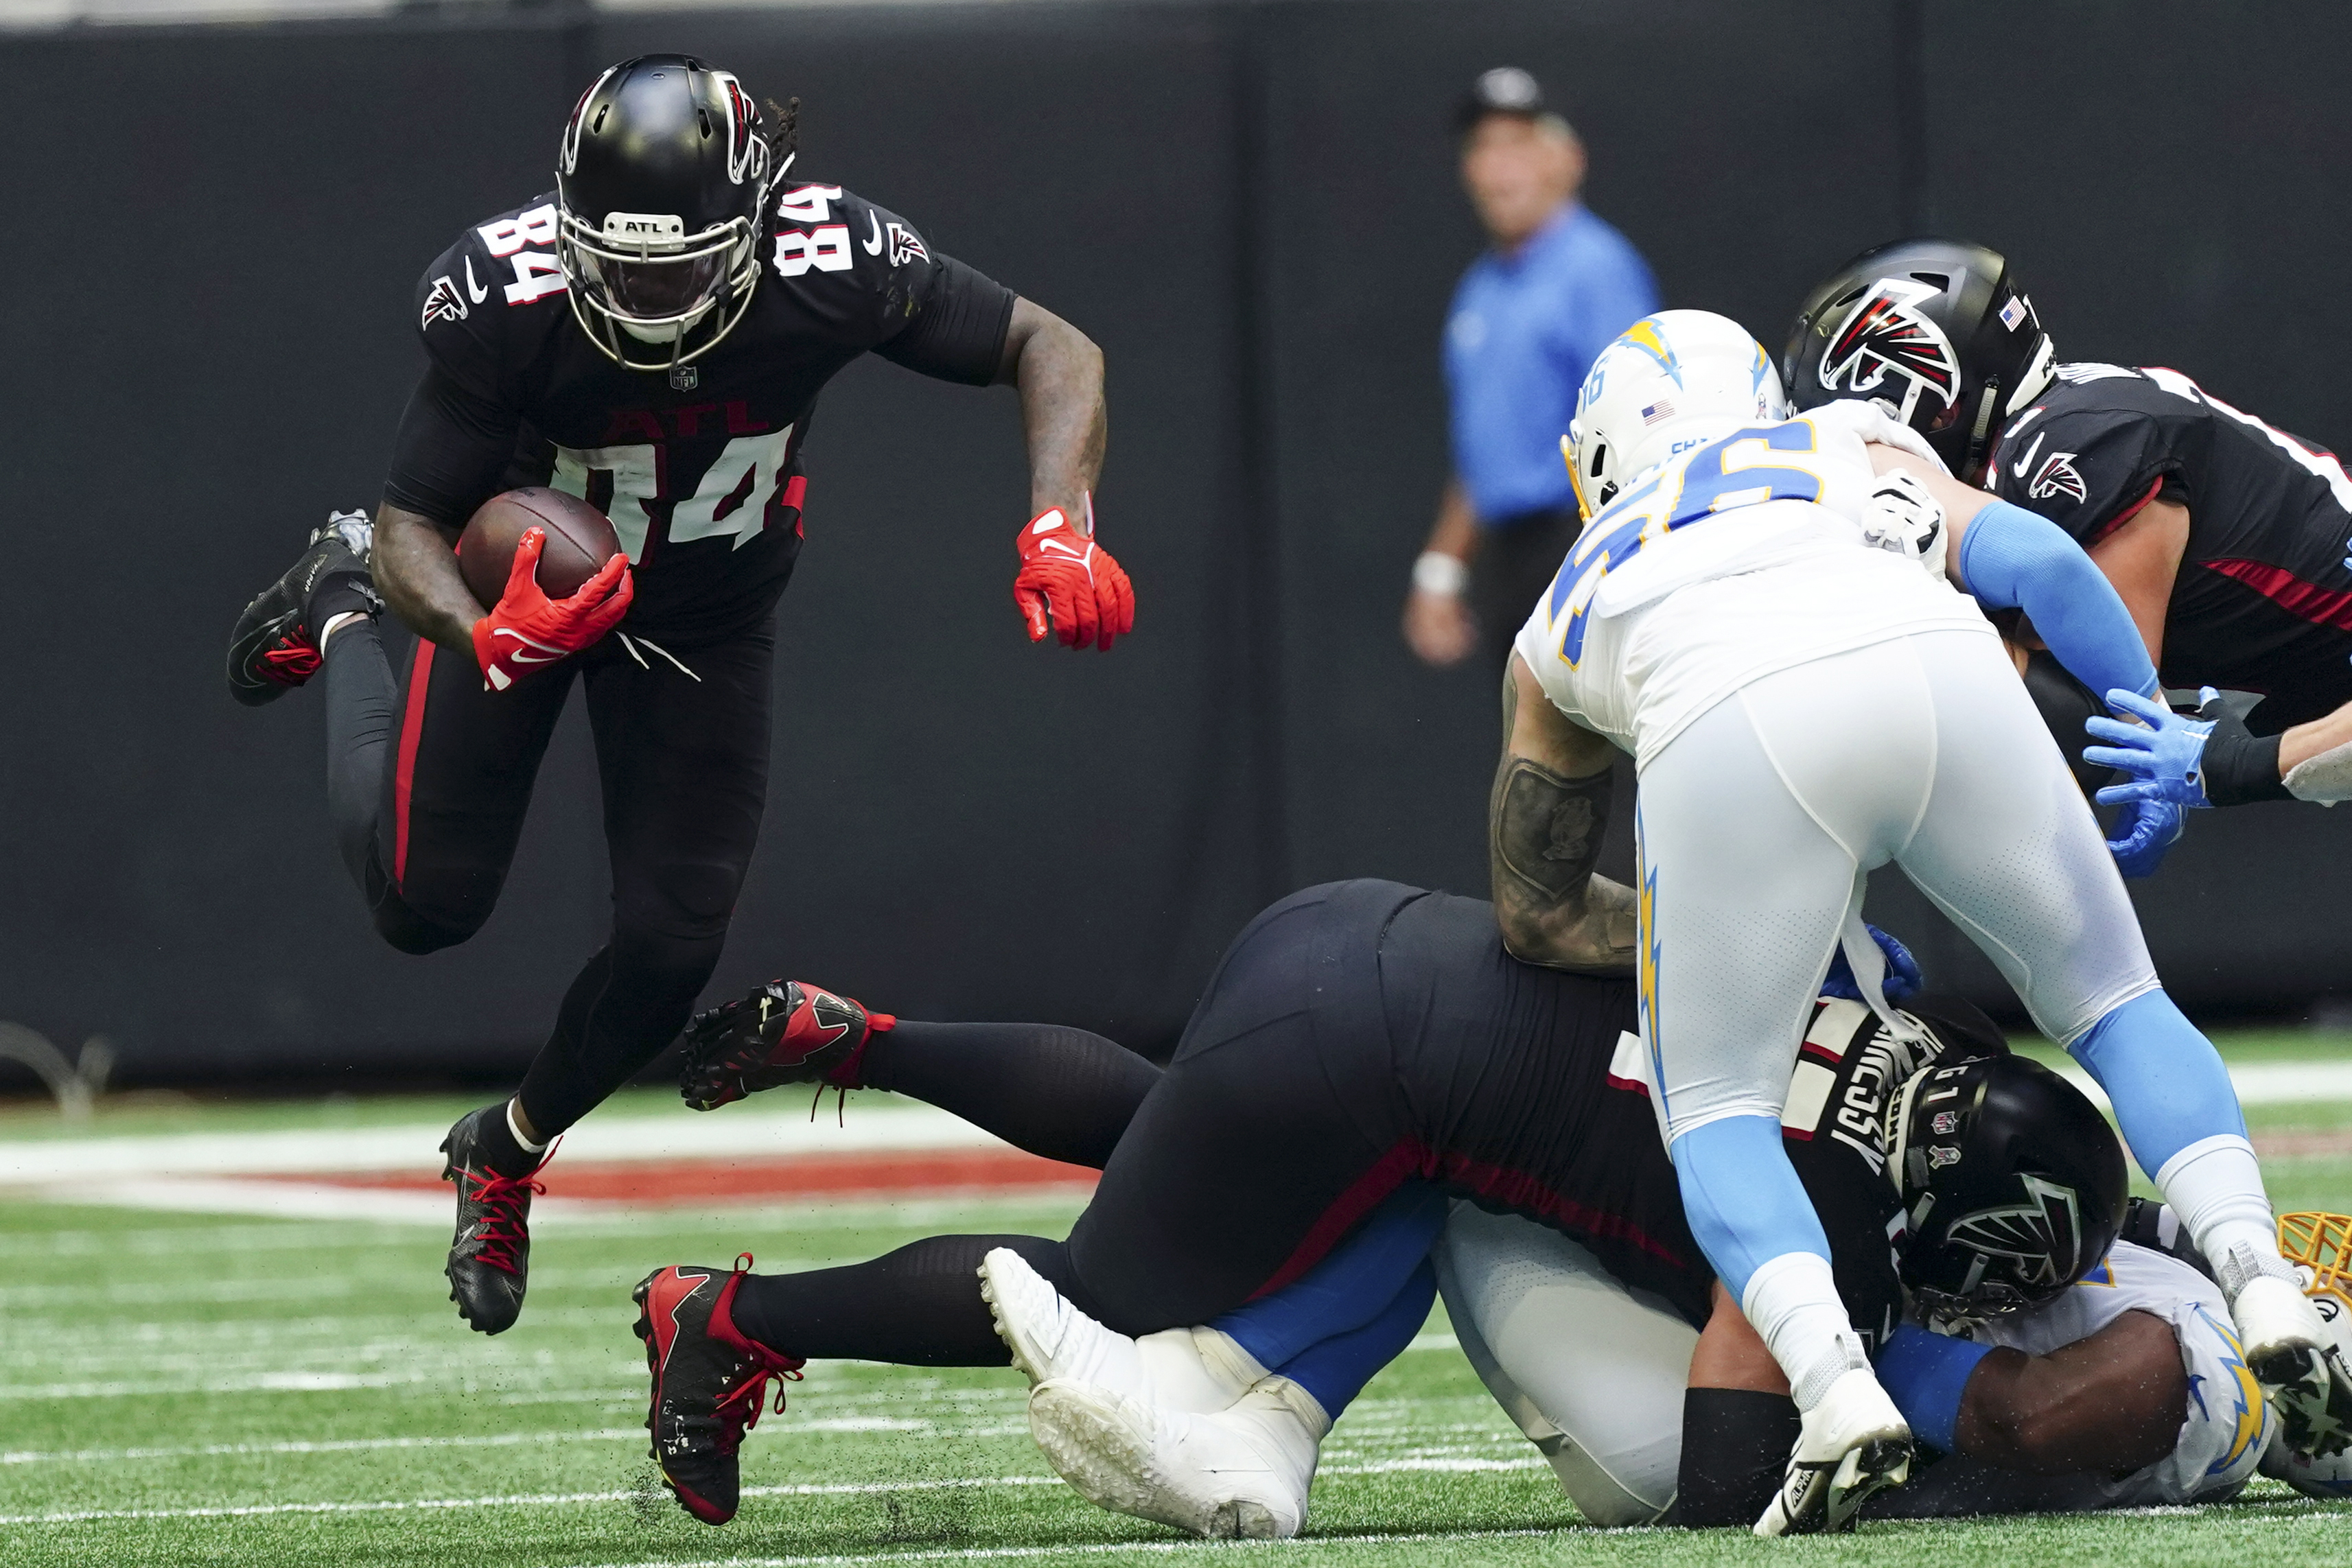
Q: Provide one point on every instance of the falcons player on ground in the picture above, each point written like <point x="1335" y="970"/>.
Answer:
<point x="1648" y="1393"/>
<point x="2225" y="537"/>
<point x="623" y="340"/>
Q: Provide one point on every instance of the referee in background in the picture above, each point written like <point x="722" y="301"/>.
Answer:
<point x="1528" y="319"/>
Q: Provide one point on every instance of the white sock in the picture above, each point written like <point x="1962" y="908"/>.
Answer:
<point x="515" y="1127"/>
<point x="1792" y="1302"/>
<point x="2215" y="1185"/>
<point x="336" y="624"/>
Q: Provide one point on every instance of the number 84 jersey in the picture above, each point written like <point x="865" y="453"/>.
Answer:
<point x="698" y="465"/>
<point x="1739" y="556"/>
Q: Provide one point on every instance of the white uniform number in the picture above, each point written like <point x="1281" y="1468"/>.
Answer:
<point x="537" y="273"/>
<point x="826" y="249"/>
<point x="732" y="498"/>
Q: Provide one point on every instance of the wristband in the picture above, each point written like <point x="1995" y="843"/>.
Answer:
<point x="2238" y="767"/>
<point x="1439" y="573"/>
<point x="1926" y="1374"/>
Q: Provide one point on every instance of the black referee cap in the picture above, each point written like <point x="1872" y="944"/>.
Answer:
<point x="1505" y="89"/>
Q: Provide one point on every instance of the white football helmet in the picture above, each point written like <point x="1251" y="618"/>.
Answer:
<point x="1670" y="381"/>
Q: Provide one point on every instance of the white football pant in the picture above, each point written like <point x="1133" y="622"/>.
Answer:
<point x="1758" y="824"/>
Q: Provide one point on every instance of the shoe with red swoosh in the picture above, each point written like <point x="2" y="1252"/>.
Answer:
<point x="274" y="647"/>
<point x="709" y="1382"/>
<point x="786" y="1032"/>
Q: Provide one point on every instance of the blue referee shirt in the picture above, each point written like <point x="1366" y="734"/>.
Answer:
<point x="1521" y="334"/>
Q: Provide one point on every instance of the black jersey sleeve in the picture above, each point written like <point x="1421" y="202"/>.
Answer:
<point x="481" y="307"/>
<point x="959" y="336"/>
<point x="2081" y="466"/>
<point x="872" y="280"/>
<point x="451" y="451"/>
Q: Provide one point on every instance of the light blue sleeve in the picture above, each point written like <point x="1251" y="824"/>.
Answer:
<point x="2013" y="560"/>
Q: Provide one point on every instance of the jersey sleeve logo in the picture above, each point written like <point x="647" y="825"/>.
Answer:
<point x="443" y="303"/>
<point x="906" y="246"/>
<point x="2057" y="477"/>
<point x="1886" y="331"/>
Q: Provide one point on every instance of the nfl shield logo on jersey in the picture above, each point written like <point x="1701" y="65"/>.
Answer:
<point x="684" y="378"/>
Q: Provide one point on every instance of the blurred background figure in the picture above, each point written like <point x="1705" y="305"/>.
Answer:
<point x="1526" y="321"/>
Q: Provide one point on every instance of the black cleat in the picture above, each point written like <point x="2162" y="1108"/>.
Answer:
<point x="489" y="1260"/>
<point x="786" y="1032"/>
<point x="275" y="646"/>
<point x="709" y="1382"/>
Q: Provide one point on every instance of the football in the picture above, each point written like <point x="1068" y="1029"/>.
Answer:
<point x="580" y="539"/>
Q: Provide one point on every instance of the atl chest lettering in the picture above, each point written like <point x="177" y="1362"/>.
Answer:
<point x="686" y="422"/>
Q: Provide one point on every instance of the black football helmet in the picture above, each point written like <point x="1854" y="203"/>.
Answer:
<point x="2013" y="1180"/>
<point x="1937" y="330"/>
<point x="658" y="188"/>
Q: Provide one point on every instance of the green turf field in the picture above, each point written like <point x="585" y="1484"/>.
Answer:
<point x="187" y="1389"/>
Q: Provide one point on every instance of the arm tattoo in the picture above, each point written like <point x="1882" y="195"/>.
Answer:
<point x="1545" y="829"/>
<point x="1543" y="838"/>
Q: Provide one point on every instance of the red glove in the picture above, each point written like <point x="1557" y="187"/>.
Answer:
<point x="1070" y="585"/>
<point x="529" y="631"/>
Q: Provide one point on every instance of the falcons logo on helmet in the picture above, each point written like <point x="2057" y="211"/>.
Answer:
<point x="1886" y="331"/>
<point x="443" y="303"/>
<point x="2041" y="1240"/>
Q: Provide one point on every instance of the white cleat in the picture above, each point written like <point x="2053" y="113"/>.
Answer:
<point x="2291" y="1352"/>
<point x="1854" y="1444"/>
<point x="1238" y="1474"/>
<point x="1193" y="1369"/>
<point x="2278" y="1328"/>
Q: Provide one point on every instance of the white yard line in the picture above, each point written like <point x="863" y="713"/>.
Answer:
<point x="732" y="1134"/>
<point x="569" y="1499"/>
<point x="494" y="1441"/>
<point x="1105" y="1548"/>
<point x="2259" y="1082"/>
<point x="537" y="1500"/>
<point x="278" y="1199"/>
<point x="258" y="1383"/>
<point x="347" y="1446"/>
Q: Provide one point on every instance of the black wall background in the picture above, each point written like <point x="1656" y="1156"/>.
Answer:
<point x="1253" y="208"/>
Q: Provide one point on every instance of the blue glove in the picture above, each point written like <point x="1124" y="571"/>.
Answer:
<point x="1903" y="976"/>
<point x="2165" y="757"/>
<point x="2149" y="829"/>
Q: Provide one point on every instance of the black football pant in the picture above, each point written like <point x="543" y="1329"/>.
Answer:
<point x="1289" y="1112"/>
<point x="430" y="775"/>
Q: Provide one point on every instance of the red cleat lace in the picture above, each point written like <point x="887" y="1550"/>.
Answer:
<point x="501" y="1228"/>
<point x="739" y="1409"/>
<point x="291" y="663"/>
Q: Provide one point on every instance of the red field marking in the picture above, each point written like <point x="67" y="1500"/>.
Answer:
<point x="706" y="1181"/>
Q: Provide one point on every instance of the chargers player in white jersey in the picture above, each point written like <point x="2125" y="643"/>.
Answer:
<point x="1801" y="708"/>
<point x="1595" y="1376"/>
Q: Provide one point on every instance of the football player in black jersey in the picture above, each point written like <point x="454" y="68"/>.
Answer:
<point x="651" y="337"/>
<point x="1258" y="1183"/>
<point x="2225" y="536"/>
<point x="1362" y="1046"/>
